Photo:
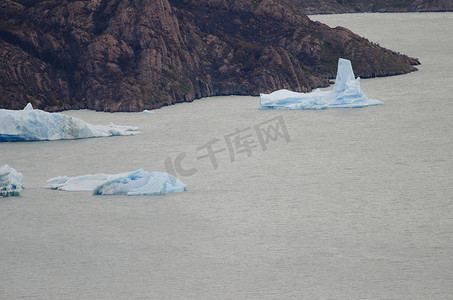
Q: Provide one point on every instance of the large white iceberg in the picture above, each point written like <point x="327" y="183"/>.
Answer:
<point x="36" y="125"/>
<point x="346" y="94"/>
<point x="134" y="183"/>
<point x="11" y="181"/>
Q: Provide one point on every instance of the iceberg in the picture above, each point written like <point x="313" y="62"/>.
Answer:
<point x="11" y="181"/>
<point x="36" y="125"/>
<point x="135" y="183"/>
<point x="345" y="94"/>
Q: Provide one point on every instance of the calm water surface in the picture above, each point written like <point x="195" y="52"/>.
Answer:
<point x="358" y="205"/>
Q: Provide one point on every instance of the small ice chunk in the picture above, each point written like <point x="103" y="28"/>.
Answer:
<point x="147" y="111"/>
<point x="345" y="94"/>
<point x="11" y="181"/>
<point x="28" y="107"/>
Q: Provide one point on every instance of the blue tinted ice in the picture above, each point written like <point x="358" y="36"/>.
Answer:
<point x="36" y="125"/>
<point x="346" y="94"/>
<point x="11" y="181"/>
<point x="135" y="183"/>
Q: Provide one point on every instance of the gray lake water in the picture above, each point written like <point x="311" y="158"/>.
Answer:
<point x="357" y="205"/>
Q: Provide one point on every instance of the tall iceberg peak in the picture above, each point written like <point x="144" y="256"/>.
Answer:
<point x="36" y="125"/>
<point x="345" y="74"/>
<point x="346" y="94"/>
<point x="28" y="106"/>
<point x="11" y="181"/>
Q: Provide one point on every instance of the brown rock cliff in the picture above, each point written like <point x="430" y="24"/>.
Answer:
<point x="353" y="6"/>
<point x="130" y="55"/>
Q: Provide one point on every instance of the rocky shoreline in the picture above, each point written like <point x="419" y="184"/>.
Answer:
<point x="312" y="7"/>
<point x="131" y="55"/>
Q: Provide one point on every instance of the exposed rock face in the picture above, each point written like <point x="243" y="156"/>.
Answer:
<point x="351" y="6"/>
<point x="130" y="55"/>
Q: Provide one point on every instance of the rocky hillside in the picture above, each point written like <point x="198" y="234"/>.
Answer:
<point x="130" y="55"/>
<point x="352" y="6"/>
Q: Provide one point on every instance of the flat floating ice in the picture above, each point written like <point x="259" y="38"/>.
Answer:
<point x="36" y="125"/>
<point x="345" y="94"/>
<point x="11" y="181"/>
<point x="134" y="183"/>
